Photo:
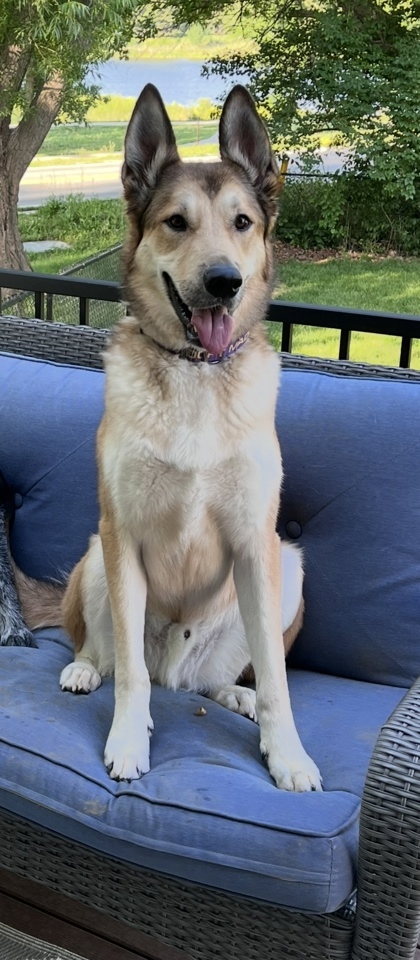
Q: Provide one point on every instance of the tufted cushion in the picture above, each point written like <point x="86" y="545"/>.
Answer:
<point x="351" y="451"/>
<point x="208" y="810"/>
<point x="49" y="414"/>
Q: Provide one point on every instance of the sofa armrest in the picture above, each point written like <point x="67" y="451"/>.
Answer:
<point x="388" y="912"/>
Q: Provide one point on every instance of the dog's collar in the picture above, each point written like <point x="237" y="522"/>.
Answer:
<point x="198" y="354"/>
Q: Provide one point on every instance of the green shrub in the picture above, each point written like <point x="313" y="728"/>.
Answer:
<point x="77" y="221"/>
<point x="349" y="212"/>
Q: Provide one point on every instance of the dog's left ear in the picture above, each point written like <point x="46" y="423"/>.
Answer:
<point x="244" y="140"/>
<point x="149" y="146"/>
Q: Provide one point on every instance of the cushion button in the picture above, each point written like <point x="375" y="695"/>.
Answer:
<point x="18" y="500"/>
<point x="293" y="529"/>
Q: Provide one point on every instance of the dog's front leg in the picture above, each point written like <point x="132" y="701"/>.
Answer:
<point x="127" y="749"/>
<point x="257" y="574"/>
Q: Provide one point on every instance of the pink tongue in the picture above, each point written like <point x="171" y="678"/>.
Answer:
<point x="214" y="328"/>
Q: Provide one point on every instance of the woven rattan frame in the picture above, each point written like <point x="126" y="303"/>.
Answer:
<point x="208" y="923"/>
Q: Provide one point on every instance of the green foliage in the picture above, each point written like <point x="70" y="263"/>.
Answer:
<point x="349" y="66"/>
<point x="348" y="212"/>
<point x="44" y="39"/>
<point x="215" y="34"/>
<point x="204" y="109"/>
<point x="82" y="223"/>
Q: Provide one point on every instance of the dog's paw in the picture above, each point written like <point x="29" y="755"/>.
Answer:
<point x="127" y="752"/>
<point x="18" y="638"/>
<point x="291" y="772"/>
<point x="80" y="677"/>
<point x="239" y="699"/>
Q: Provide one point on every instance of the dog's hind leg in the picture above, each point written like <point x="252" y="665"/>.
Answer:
<point x="241" y="699"/>
<point x="13" y="630"/>
<point x="87" y="618"/>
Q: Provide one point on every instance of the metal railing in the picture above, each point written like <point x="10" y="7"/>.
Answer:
<point x="45" y="285"/>
<point x="405" y="326"/>
<point x="289" y="314"/>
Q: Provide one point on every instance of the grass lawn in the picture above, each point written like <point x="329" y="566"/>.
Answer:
<point x="80" y="141"/>
<point x="389" y="284"/>
<point x="89" y="226"/>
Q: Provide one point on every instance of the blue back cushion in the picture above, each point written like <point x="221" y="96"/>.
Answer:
<point x="49" y="414"/>
<point x="352" y="467"/>
<point x="351" y="451"/>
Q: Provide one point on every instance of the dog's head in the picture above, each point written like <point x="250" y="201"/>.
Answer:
<point x="197" y="259"/>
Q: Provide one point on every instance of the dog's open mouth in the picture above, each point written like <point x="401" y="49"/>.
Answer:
<point x="210" y="326"/>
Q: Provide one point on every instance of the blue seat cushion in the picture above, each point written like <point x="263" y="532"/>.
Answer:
<point x="208" y="810"/>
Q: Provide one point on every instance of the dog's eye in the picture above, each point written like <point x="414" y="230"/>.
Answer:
<point x="242" y="222"/>
<point x="177" y="222"/>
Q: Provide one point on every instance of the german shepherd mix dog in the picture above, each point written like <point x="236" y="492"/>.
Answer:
<point x="183" y="584"/>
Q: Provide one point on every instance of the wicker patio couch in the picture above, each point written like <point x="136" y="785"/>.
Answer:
<point x="379" y="916"/>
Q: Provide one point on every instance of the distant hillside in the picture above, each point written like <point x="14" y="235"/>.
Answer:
<point x="219" y="38"/>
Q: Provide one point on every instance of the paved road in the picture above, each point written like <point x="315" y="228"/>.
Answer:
<point x="91" y="179"/>
<point x="102" y="179"/>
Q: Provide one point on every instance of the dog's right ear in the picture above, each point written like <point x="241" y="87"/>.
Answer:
<point x="244" y="140"/>
<point x="149" y="147"/>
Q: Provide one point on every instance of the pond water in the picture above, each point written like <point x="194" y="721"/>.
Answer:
<point x="176" y="80"/>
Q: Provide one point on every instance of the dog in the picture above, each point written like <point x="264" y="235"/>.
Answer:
<point x="183" y="583"/>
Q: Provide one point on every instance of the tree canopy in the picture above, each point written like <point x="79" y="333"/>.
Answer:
<point x="46" y="50"/>
<point x="351" y="67"/>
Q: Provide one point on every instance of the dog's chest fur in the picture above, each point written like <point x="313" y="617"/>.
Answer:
<point x="174" y="443"/>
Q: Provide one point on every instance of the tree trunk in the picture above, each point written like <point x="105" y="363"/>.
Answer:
<point x="12" y="254"/>
<point x="18" y="147"/>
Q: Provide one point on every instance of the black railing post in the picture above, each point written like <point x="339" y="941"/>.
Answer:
<point x="405" y="353"/>
<point x="344" y="348"/>
<point x="49" y="316"/>
<point x="286" y="337"/>
<point x="39" y="304"/>
<point x="83" y="312"/>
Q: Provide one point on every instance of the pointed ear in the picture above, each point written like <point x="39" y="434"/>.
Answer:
<point x="149" y="146"/>
<point x="244" y="140"/>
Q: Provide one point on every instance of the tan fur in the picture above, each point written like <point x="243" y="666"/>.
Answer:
<point x="291" y="634"/>
<point x="41" y="602"/>
<point x="72" y="607"/>
<point x="184" y="583"/>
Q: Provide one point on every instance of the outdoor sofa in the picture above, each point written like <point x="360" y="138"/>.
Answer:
<point x="204" y="853"/>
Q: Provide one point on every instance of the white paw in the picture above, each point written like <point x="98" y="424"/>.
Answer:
<point x="127" y="751"/>
<point x="294" y="771"/>
<point x="239" y="699"/>
<point x="80" y="677"/>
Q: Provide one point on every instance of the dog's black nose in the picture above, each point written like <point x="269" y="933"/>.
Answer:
<point x="222" y="280"/>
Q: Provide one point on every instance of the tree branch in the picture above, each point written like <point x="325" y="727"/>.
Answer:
<point x="28" y="136"/>
<point x="14" y="61"/>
